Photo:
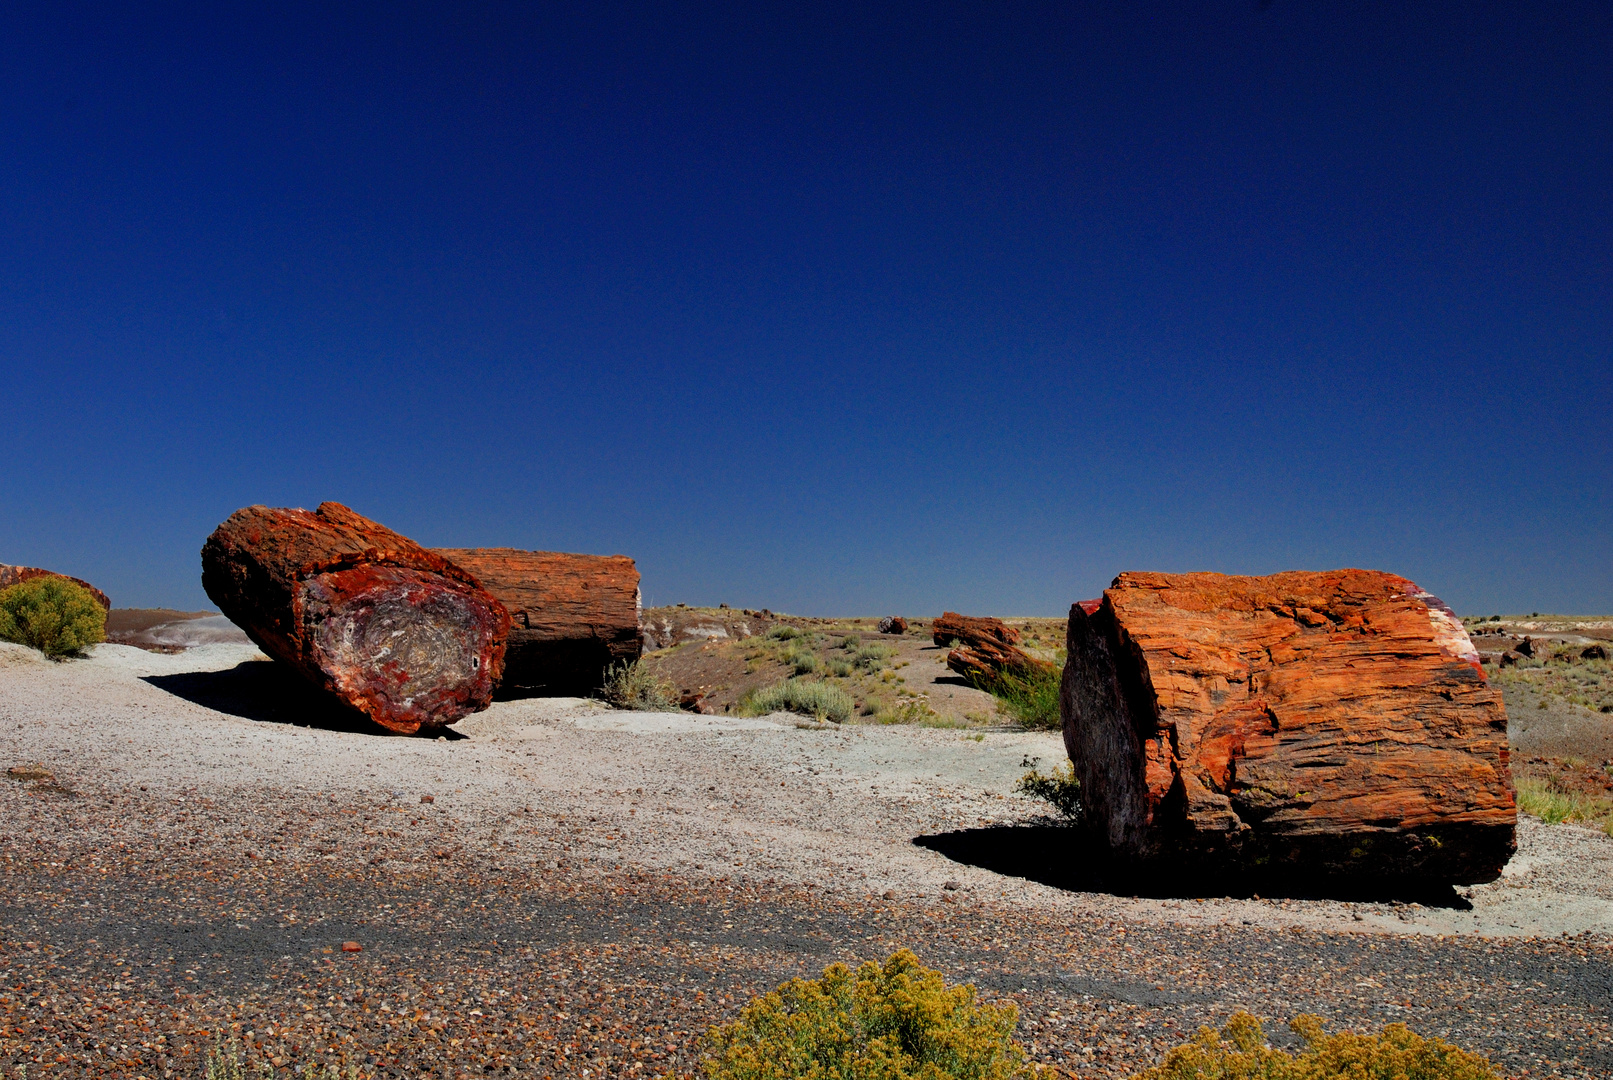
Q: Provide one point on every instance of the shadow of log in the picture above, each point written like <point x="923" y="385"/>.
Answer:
<point x="268" y="693"/>
<point x="1062" y="858"/>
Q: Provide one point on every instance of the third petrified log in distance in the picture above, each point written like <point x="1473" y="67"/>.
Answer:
<point x="1320" y="723"/>
<point x="986" y="648"/>
<point x="572" y="616"/>
<point x="364" y="613"/>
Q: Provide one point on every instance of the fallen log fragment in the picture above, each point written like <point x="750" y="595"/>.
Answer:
<point x="987" y="649"/>
<point x="16" y="575"/>
<point x="571" y="616"/>
<point x="1324" y="724"/>
<point x="374" y="619"/>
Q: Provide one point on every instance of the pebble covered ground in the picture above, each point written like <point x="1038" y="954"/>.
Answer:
<point x="173" y="873"/>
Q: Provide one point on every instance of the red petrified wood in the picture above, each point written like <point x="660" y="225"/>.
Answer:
<point x="393" y="630"/>
<point x="1322" y="723"/>
<point x="986" y="647"/>
<point x="572" y="616"/>
<point x="16" y="575"/>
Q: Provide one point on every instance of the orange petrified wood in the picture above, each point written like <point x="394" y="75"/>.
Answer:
<point x="572" y="616"/>
<point x="1323" y="723"/>
<point x="986" y="648"/>
<point x="390" y="629"/>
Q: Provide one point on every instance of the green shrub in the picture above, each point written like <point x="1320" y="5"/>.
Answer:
<point x="895" y="1021"/>
<point x="783" y="632"/>
<point x="53" y="615"/>
<point x="1239" y="1052"/>
<point x="820" y="700"/>
<point x="872" y="656"/>
<point x="1030" y="697"/>
<point x="226" y="1063"/>
<point x="850" y="642"/>
<point x="804" y="661"/>
<point x="634" y="686"/>
<point x="1061" y="789"/>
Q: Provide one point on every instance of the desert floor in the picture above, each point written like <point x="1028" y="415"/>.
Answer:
<point x="588" y="890"/>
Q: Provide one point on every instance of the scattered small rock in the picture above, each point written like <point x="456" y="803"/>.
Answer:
<point x="352" y="946"/>
<point x="428" y="798"/>
<point x="31" y="772"/>
<point x="888" y="894"/>
<point x="953" y="885"/>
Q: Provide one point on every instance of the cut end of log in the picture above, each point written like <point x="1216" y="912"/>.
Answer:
<point x="405" y="647"/>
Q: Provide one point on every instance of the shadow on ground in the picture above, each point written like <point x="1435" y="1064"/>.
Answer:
<point x="264" y="691"/>
<point x="1060" y="857"/>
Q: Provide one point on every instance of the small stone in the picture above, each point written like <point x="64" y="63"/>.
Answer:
<point x="953" y="885"/>
<point x="352" y="946"/>
<point x="889" y="894"/>
<point x="428" y="798"/>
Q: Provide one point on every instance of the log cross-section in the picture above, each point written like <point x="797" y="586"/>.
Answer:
<point x="572" y="616"/>
<point x="385" y="626"/>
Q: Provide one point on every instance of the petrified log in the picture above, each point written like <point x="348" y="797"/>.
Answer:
<point x="1314" y="723"/>
<point x="393" y="630"/>
<point x="571" y="616"/>
<point x="893" y="624"/>
<point x="16" y="575"/>
<point x="987" y="648"/>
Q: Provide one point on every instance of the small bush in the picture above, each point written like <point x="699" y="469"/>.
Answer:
<point x="850" y="642"/>
<point x="634" y="686"/>
<point x="51" y="614"/>
<point x="840" y="668"/>
<point x="783" y="632"/>
<point x="1061" y="789"/>
<point x="1239" y="1051"/>
<point x="820" y="700"/>
<point x="895" y="1021"/>
<point x="226" y="1063"/>
<point x="870" y="657"/>
<point x="804" y="661"/>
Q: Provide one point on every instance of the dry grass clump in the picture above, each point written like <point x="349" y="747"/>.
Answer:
<point x="810" y="697"/>
<point x="634" y="686"/>
<point x="892" y="1021"/>
<point x="56" y="616"/>
<point x="1239" y="1052"/>
<point x="1553" y="804"/>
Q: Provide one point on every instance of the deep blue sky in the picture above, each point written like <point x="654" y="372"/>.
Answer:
<point x="833" y="310"/>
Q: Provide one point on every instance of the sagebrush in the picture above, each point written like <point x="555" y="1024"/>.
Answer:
<point x="56" y="616"/>
<point x="1239" y="1052"/>
<point x="1030" y="697"/>
<point x="632" y="685"/>
<point x="892" y="1021"/>
<point x="820" y="700"/>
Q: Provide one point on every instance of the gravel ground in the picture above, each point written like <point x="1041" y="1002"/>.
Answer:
<point x="588" y="890"/>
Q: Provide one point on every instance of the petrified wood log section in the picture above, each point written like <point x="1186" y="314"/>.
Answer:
<point x="391" y="629"/>
<point x="1322" y="723"/>
<point x="986" y="648"/>
<point x="571" y="616"/>
<point x="16" y="575"/>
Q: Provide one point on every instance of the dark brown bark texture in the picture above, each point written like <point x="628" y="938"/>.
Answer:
<point x="571" y="616"/>
<point x="364" y="613"/>
<point x="987" y="648"/>
<point x="1328" y="725"/>
<point x="16" y="575"/>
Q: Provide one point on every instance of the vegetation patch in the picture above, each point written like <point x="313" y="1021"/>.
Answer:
<point x="892" y="1021"/>
<point x="227" y="1063"/>
<point x="1553" y="802"/>
<point x="1059" y="788"/>
<point x="1239" y="1052"/>
<point x="1031" y="697"/>
<point x="58" y="617"/>
<point x="634" y="686"/>
<point x="810" y="697"/>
